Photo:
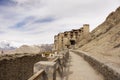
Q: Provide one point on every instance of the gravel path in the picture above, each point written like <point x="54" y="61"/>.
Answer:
<point x="79" y="69"/>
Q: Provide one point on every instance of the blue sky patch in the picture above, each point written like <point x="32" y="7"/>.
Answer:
<point x="21" y="24"/>
<point x="45" y="20"/>
<point x="7" y="3"/>
<point x="18" y="25"/>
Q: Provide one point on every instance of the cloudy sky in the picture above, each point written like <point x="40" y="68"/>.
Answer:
<point x="37" y="21"/>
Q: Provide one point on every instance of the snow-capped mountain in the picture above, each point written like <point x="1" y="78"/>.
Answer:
<point x="8" y="45"/>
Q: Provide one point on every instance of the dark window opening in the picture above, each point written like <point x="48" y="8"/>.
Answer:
<point x="76" y="33"/>
<point x="72" y="42"/>
<point x="71" y="36"/>
<point x="65" y="35"/>
<point x="79" y="30"/>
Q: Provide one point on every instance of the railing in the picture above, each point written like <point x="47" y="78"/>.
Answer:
<point x="38" y="75"/>
<point x="57" y="64"/>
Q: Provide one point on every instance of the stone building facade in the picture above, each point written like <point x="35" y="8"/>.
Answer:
<point x="72" y="39"/>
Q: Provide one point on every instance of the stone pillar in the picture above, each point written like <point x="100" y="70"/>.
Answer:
<point x="50" y="68"/>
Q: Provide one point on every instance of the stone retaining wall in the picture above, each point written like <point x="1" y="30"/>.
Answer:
<point x="106" y="71"/>
<point x="18" y="66"/>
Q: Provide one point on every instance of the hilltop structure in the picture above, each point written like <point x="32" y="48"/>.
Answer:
<point x="103" y="38"/>
<point x="72" y="39"/>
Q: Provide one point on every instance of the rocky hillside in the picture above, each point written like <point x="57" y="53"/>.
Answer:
<point x="34" y="48"/>
<point x="105" y="41"/>
<point x="106" y="37"/>
<point x="29" y="49"/>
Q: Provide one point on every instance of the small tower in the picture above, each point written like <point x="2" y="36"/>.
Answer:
<point x="86" y="30"/>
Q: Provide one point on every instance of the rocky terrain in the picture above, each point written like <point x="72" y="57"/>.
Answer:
<point x="105" y="41"/>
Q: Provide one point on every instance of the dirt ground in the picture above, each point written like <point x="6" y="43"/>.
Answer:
<point x="79" y="69"/>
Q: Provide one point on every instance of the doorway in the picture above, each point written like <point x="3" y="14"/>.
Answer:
<point x="72" y="42"/>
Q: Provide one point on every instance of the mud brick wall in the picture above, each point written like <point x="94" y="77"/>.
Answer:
<point x="18" y="66"/>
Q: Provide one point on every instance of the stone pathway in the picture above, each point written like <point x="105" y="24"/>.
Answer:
<point x="79" y="69"/>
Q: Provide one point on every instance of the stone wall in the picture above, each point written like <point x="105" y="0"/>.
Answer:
<point x="18" y="66"/>
<point x="106" y="71"/>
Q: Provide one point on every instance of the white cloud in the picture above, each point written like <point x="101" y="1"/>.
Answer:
<point x="66" y="15"/>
